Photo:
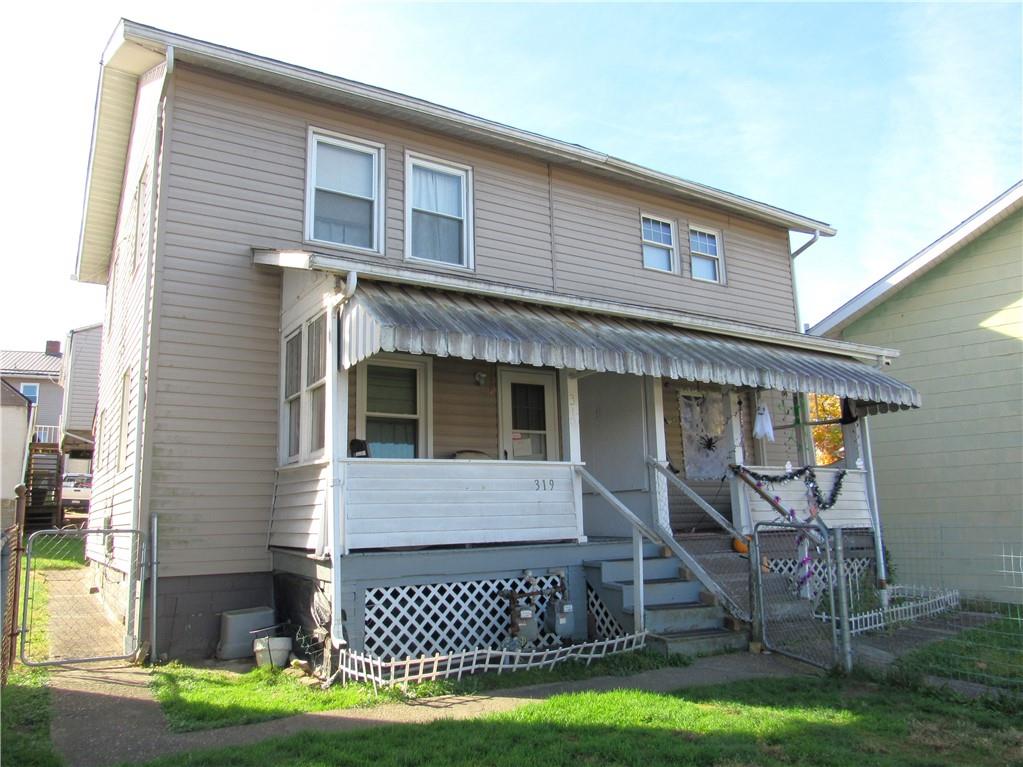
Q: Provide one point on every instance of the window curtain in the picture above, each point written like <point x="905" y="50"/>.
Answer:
<point x="437" y="216"/>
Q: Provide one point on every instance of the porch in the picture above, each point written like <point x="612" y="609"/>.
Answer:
<point x="454" y="424"/>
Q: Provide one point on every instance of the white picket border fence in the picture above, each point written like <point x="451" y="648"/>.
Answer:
<point x="924" y="602"/>
<point x="361" y="667"/>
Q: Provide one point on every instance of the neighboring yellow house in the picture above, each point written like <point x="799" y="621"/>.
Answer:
<point x="950" y="475"/>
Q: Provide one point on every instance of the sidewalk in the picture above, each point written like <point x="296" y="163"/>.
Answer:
<point x="105" y="714"/>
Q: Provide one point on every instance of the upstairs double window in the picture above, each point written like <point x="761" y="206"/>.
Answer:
<point x="438" y="202"/>
<point x="344" y="204"/>
<point x="705" y="254"/>
<point x="658" y="244"/>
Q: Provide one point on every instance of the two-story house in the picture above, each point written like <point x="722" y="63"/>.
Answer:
<point x="377" y="362"/>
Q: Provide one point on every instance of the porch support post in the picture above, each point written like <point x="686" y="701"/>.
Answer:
<point x="658" y="450"/>
<point x="337" y="449"/>
<point x="741" y="519"/>
<point x="571" y="446"/>
<point x="863" y="430"/>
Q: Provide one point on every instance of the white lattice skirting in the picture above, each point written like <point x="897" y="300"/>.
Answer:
<point x="361" y="667"/>
<point x="426" y="619"/>
<point x="602" y="623"/>
<point x="855" y="568"/>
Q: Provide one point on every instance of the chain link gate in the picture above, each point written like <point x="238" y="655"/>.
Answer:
<point x="794" y="580"/>
<point x="81" y="596"/>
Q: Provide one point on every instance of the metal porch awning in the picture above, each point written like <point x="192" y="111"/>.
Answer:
<point x="388" y="317"/>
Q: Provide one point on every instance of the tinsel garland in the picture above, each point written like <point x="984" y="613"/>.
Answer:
<point x="809" y="477"/>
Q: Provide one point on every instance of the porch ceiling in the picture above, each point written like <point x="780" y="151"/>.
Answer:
<point x="389" y="317"/>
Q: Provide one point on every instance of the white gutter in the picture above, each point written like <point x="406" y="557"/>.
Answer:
<point x="372" y="98"/>
<point x="792" y="273"/>
<point x="297" y="259"/>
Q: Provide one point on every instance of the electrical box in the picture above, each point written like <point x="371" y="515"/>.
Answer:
<point x="238" y="629"/>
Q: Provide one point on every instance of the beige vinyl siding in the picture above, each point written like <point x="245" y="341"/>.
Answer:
<point x="113" y="487"/>
<point x="239" y="176"/>
<point x="50" y="401"/>
<point x="300" y="506"/>
<point x="81" y="380"/>
<point x="950" y="475"/>
<point x="598" y="254"/>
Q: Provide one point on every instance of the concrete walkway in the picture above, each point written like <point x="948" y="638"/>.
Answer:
<point x="105" y="714"/>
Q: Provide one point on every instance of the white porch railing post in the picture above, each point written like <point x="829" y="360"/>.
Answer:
<point x="875" y="510"/>
<point x="657" y="448"/>
<point x="638" y="593"/>
<point x="741" y="517"/>
<point x="568" y="392"/>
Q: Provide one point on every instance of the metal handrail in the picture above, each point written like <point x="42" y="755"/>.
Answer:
<point x="657" y="534"/>
<point x="707" y="509"/>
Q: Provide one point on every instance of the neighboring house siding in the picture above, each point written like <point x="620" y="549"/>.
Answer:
<point x="81" y="379"/>
<point x="51" y="398"/>
<point x="124" y="333"/>
<point x="950" y="475"/>
<point x="239" y="178"/>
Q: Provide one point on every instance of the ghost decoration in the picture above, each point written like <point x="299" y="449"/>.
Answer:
<point x="762" y="426"/>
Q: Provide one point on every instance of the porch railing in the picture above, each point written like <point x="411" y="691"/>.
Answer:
<point x="49" y="435"/>
<point x="695" y="497"/>
<point x="393" y="503"/>
<point x="657" y="534"/>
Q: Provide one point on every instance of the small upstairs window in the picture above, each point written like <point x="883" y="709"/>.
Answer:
<point x="705" y="255"/>
<point x="437" y="221"/>
<point x="30" y="391"/>
<point x="658" y="244"/>
<point x="343" y="204"/>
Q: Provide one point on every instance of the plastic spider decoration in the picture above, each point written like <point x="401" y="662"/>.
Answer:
<point x="709" y="443"/>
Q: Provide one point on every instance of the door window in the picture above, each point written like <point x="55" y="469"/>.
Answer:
<point x="528" y="417"/>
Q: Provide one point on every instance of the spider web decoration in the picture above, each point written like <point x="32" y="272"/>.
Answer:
<point x="425" y="619"/>
<point x="704" y="419"/>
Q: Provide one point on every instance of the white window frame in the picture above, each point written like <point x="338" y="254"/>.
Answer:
<point x="373" y="148"/>
<point x="305" y="452"/>
<point x="720" y="257"/>
<point x="673" y="266"/>
<point x="21" y="388"/>
<point x="444" y="166"/>
<point x="424" y="396"/>
<point x="549" y="380"/>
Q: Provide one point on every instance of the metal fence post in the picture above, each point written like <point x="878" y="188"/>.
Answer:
<point x="756" y="603"/>
<point x="843" y="605"/>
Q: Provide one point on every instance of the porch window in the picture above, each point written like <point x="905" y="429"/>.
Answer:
<point x="316" y="381"/>
<point x="437" y="220"/>
<point x="293" y="393"/>
<point x="392" y="407"/>
<point x="705" y="254"/>
<point x="658" y="244"/>
<point x="343" y="200"/>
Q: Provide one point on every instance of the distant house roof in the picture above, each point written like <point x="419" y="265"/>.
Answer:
<point x="29" y="363"/>
<point x="996" y="211"/>
<point x="11" y="396"/>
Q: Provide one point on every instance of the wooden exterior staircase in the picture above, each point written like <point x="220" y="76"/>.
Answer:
<point x="43" y="486"/>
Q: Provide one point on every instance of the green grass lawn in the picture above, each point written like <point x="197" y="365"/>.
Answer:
<point x="201" y="699"/>
<point x="58" y="552"/>
<point x="991" y="654"/>
<point x="767" y="723"/>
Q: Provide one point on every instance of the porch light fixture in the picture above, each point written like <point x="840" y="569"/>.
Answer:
<point x="481" y="378"/>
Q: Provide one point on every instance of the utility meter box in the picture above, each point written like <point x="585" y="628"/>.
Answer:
<point x="239" y="628"/>
<point x="560" y="617"/>
<point x="523" y="624"/>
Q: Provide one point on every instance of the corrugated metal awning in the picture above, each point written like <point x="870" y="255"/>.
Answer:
<point x="387" y="317"/>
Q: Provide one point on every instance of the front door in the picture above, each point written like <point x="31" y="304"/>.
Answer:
<point x="528" y="416"/>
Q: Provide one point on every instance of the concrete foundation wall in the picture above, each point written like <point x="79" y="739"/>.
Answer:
<point x="189" y="608"/>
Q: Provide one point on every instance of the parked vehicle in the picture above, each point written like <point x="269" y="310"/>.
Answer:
<point x="77" y="492"/>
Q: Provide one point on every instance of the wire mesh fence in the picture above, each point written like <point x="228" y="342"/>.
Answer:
<point x="794" y="574"/>
<point x="79" y="601"/>
<point x="953" y="610"/>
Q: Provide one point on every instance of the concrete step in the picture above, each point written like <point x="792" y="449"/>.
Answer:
<point x="660" y="591"/>
<point x="621" y="569"/>
<point x="707" y="642"/>
<point x="674" y="619"/>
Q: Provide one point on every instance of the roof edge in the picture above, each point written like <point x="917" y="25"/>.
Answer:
<point x="949" y="243"/>
<point x="186" y="48"/>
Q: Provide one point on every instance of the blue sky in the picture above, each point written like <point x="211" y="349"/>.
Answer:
<point x="891" y="122"/>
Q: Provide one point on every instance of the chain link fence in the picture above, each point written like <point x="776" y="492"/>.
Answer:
<point x="953" y="610"/>
<point x="80" y="596"/>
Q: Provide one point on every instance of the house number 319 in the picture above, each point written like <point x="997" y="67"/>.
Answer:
<point x="544" y="484"/>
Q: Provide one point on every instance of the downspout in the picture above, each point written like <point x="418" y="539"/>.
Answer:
<point x="145" y="379"/>
<point x="336" y="510"/>
<point x="792" y="273"/>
